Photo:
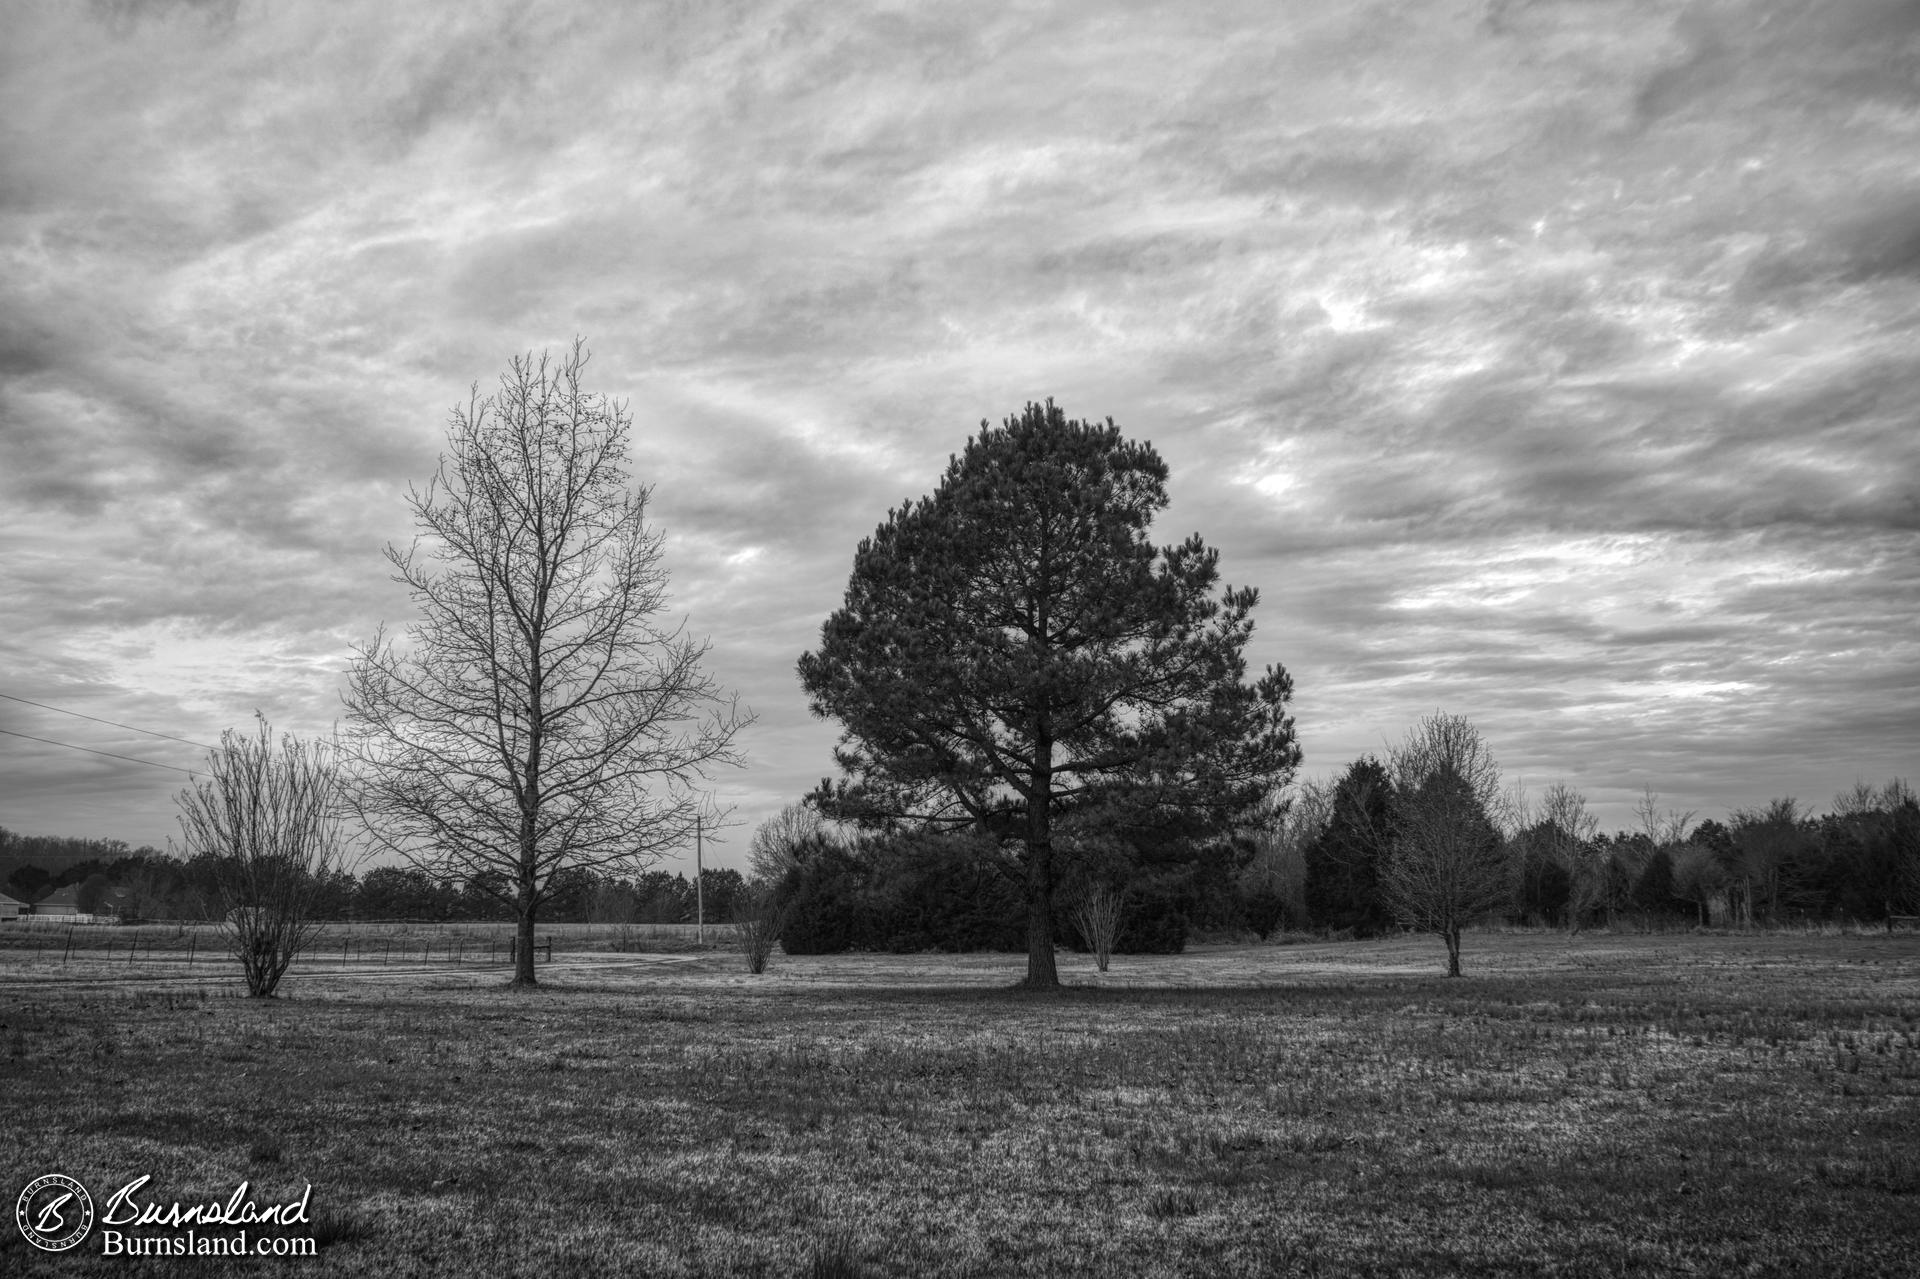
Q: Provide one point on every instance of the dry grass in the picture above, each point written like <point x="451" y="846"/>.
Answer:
<point x="1655" y="1105"/>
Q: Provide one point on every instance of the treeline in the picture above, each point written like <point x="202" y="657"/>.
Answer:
<point x="1775" y="864"/>
<point x="1314" y="866"/>
<point x="1317" y="867"/>
<point x="54" y="861"/>
<point x="156" y="886"/>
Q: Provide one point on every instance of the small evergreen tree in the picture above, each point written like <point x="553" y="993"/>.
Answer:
<point x="1343" y="864"/>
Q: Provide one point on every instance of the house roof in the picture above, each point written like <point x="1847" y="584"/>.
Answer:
<point x="11" y="901"/>
<point x="111" y="895"/>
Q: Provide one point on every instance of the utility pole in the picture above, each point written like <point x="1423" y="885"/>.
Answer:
<point x="699" y="889"/>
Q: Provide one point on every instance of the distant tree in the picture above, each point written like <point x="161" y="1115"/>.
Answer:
<point x="1663" y="828"/>
<point x="540" y="716"/>
<point x="720" y="887"/>
<point x="1014" y="647"/>
<point x="1343" y="862"/>
<point x="92" y="893"/>
<point x="1701" y="879"/>
<point x="1657" y="889"/>
<point x="398" y="892"/>
<point x="662" y="898"/>
<point x="333" y="897"/>
<point x="1570" y="835"/>
<point x="1542" y="887"/>
<point x="28" y="883"/>
<point x="1273" y="884"/>
<point x="269" y="819"/>
<point x="485" y="895"/>
<point x="80" y="872"/>
<point x="1447" y="865"/>
<point x="154" y="888"/>
<point x="774" y="848"/>
<point x="1872" y="838"/>
<point x="611" y="902"/>
<point x="571" y="893"/>
<point x="1766" y="843"/>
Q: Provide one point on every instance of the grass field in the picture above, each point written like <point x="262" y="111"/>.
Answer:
<point x="1687" y="1104"/>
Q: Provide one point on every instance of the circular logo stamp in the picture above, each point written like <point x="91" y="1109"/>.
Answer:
<point x="54" y="1212"/>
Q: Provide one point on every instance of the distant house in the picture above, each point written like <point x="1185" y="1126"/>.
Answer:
<point x="11" y="909"/>
<point x="114" y="902"/>
<point x="61" y="901"/>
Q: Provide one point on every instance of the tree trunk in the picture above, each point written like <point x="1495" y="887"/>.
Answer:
<point x="1453" y="952"/>
<point x="523" y="940"/>
<point x="1041" y="972"/>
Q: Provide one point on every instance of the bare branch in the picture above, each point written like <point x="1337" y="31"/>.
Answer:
<point x="539" y="715"/>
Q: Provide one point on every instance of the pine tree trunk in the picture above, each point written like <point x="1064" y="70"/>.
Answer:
<point x="1041" y="971"/>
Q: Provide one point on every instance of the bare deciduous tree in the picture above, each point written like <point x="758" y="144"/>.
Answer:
<point x="1662" y="829"/>
<point x="1571" y="833"/>
<point x="1700" y="880"/>
<point x="538" y="715"/>
<point x="1765" y="841"/>
<point x="1275" y="878"/>
<point x="1097" y="916"/>
<point x="1447" y="864"/>
<point x="775" y="847"/>
<point x="269" y="821"/>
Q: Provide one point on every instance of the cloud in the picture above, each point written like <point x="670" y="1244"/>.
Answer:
<point x="1546" y="361"/>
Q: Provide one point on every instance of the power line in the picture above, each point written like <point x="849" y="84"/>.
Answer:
<point x="96" y="719"/>
<point x="89" y="750"/>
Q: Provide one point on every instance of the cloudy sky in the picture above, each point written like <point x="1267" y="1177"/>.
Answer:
<point x="1554" y="364"/>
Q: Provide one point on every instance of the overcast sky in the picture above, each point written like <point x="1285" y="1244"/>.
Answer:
<point x="1554" y="364"/>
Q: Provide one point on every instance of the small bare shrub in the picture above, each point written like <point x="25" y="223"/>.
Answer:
<point x="758" y="917"/>
<point x="1098" y="919"/>
<point x="270" y="821"/>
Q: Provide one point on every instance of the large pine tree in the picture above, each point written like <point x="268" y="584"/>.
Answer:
<point x="1014" y="647"/>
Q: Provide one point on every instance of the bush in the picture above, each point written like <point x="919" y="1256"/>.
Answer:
<point x="1156" y="919"/>
<point x="818" y="901"/>
<point x="941" y="892"/>
<point x="759" y="917"/>
<point x="1263" y="910"/>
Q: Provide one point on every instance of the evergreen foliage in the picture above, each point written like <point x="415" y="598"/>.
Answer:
<point x="1343" y="863"/>
<point x="1014" y="647"/>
